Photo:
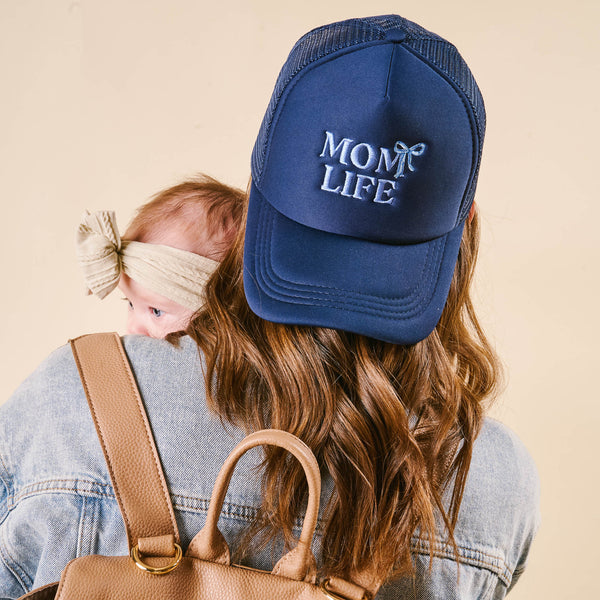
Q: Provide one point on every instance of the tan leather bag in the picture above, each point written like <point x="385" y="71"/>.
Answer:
<point x="156" y="566"/>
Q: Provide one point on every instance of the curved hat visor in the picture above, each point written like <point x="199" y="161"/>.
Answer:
<point x="298" y="275"/>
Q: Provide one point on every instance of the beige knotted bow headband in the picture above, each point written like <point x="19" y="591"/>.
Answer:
<point x="176" y="274"/>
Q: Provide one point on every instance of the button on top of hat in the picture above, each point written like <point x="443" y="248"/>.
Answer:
<point x="395" y="35"/>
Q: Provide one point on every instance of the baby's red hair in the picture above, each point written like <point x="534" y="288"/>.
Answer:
<point x="204" y="213"/>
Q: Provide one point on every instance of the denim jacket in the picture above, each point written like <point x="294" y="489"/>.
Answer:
<point x="57" y="502"/>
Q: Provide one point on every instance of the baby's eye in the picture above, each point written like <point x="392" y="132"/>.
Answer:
<point x="129" y="305"/>
<point x="156" y="312"/>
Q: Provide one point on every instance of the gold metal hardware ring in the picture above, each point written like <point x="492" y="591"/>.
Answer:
<point x="324" y="587"/>
<point x="135" y="555"/>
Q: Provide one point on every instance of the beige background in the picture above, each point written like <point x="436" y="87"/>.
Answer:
<point x="104" y="102"/>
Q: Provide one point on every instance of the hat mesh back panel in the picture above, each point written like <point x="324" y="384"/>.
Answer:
<point x="446" y="58"/>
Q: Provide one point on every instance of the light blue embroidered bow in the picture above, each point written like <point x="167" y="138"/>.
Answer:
<point x="405" y="155"/>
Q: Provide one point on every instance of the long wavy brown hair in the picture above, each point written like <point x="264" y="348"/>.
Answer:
<point x="392" y="425"/>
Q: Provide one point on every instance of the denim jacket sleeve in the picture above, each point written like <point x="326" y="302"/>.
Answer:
<point x="42" y="508"/>
<point x="57" y="502"/>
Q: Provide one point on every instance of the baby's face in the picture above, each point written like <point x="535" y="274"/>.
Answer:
<point x="152" y="314"/>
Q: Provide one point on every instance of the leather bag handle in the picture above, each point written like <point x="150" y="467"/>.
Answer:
<point x="127" y="442"/>
<point x="299" y="563"/>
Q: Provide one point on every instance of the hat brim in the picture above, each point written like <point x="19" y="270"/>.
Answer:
<point x="298" y="275"/>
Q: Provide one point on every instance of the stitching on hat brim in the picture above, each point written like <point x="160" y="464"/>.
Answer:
<point x="278" y="288"/>
<point x="339" y="294"/>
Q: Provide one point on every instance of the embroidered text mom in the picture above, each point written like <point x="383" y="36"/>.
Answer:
<point x="366" y="157"/>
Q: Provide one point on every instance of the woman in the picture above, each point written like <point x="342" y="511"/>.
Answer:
<point x="342" y="315"/>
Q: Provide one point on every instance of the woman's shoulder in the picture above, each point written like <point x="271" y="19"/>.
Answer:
<point x="55" y="382"/>
<point x="47" y="420"/>
<point x="148" y="356"/>
<point x="500" y="455"/>
<point x="40" y="394"/>
<point x="500" y="511"/>
<point x="503" y="479"/>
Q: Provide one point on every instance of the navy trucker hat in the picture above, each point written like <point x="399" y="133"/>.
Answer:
<point x="363" y="174"/>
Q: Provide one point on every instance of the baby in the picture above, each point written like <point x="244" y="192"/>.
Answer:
<point x="167" y="254"/>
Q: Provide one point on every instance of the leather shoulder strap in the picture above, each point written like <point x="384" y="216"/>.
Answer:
<point x="125" y="437"/>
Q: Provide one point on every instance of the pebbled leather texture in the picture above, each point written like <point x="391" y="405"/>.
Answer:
<point x="125" y="437"/>
<point x="205" y="572"/>
<point x="46" y="592"/>
<point x="117" y="578"/>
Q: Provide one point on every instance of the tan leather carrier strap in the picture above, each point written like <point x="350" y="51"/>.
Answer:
<point x="125" y="436"/>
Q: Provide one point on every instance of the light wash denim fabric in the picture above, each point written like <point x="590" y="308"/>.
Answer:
<point x="57" y="503"/>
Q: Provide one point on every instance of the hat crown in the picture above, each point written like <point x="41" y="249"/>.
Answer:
<point x="326" y="41"/>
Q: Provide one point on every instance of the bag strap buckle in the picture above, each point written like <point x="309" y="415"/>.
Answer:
<point x="135" y="555"/>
